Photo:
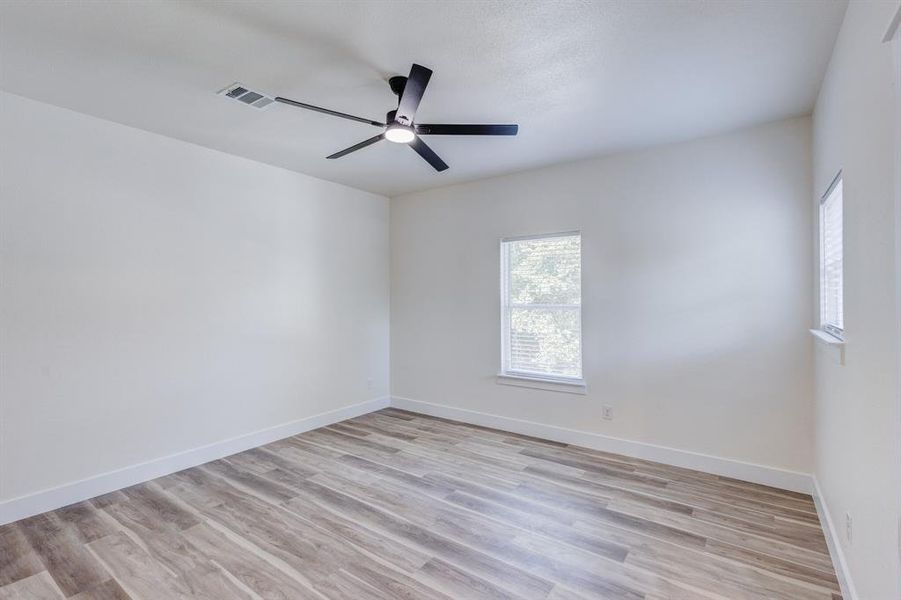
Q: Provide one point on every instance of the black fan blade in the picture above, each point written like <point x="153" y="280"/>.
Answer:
<point x="412" y="96"/>
<point x="327" y="111"/>
<point x="428" y="154"/>
<point x="356" y="147"/>
<point x="467" y="129"/>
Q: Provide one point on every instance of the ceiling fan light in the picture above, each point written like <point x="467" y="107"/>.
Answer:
<point x="399" y="134"/>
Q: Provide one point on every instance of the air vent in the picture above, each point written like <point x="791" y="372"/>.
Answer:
<point x="242" y="93"/>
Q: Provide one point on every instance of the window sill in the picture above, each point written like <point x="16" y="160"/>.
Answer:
<point x="573" y="386"/>
<point x="827" y="338"/>
<point x="834" y="345"/>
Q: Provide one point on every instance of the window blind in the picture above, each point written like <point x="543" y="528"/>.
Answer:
<point x="541" y="295"/>
<point x="831" y="261"/>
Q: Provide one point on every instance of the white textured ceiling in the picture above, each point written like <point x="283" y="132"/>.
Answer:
<point x="581" y="78"/>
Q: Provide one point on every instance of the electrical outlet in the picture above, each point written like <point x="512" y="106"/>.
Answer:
<point x="369" y="384"/>
<point x="849" y="528"/>
<point x="607" y="413"/>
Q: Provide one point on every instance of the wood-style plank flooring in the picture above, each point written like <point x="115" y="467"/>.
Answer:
<point x="393" y="505"/>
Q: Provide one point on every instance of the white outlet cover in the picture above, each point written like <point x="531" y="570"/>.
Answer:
<point x="849" y="528"/>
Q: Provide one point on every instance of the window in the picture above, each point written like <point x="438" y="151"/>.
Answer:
<point x="831" y="269"/>
<point x="541" y="306"/>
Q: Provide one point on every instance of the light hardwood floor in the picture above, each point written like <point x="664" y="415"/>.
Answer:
<point x="393" y="505"/>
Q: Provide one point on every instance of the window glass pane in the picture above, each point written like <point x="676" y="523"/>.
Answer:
<point x="542" y="297"/>
<point x="831" y="261"/>
<point x="545" y="341"/>
<point x="546" y="271"/>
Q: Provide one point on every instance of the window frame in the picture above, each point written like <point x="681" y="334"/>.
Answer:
<point x="510" y="376"/>
<point x="830" y="328"/>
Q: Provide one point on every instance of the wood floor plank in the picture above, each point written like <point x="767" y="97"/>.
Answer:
<point x="156" y="503"/>
<point x="462" y="584"/>
<point x="404" y="556"/>
<point x="70" y="565"/>
<point x="164" y="543"/>
<point x="17" y="560"/>
<point x="264" y="461"/>
<point x="136" y="571"/>
<point x="271" y="528"/>
<point x="263" y="578"/>
<point x="112" y="497"/>
<point x="254" y="484"/>
<point x="307" y="549"/>
<point x="36" y="587"/>
<point x="654" y="503"/>
<point x="85" y="520"/>
<point x="394" y="505"/>
<point x="399" y="435"/>
<point x="347" y="443"/>
<point x="772" y="546"/>
<point x="777" y="565"/>
<point x="679" y="564"/>
<point x="399" y="585"/>
<point x="588" y="574"/>
<point x="108" y="590"/>
<point x="599" y="575"/>
<point x="417" y="482"/>
<point x="490" y="537"/>
<point x="478" y="563"/>
<point x="561" y="593"/>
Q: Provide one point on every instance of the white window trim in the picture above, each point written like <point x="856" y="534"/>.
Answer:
<point x="826" y="333"/>
<point x="568" y="385"/>
<point x="826" y="337"/>
<point x="831" y="345"/>
<point x="541" y="381"/>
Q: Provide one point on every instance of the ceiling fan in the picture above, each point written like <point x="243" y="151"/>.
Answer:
<point x="400" y="126"/>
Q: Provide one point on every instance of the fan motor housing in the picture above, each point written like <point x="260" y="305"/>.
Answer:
<point x="397" y="83"/>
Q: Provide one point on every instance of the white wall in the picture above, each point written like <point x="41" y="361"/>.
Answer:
<point x="697" y="294"/>
<point x="158" y="296"/>
<point x="857" y="432"/>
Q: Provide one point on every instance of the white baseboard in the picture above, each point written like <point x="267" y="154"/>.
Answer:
<point x="771" y="476"/>
<point x="842" y="573"/>
<point x="51" y="499"/>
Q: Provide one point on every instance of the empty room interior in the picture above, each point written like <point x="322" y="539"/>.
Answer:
<point x="482" y="299"/>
